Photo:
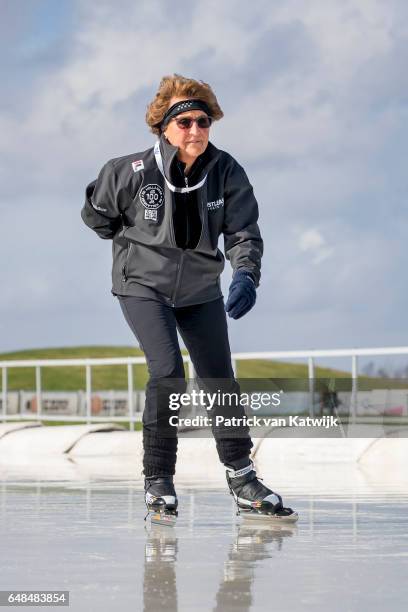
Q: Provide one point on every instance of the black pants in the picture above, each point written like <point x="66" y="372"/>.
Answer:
<point x="203" y="328"/>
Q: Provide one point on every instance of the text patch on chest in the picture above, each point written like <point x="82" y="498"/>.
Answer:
<point x="215" y="204"/>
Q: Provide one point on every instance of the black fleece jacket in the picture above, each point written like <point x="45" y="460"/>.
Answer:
<point x="164" y="244"/>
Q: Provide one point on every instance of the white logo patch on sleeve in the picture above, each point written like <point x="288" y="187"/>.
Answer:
<point x="137" y="165"/>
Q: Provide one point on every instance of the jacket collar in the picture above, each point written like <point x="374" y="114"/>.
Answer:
<point x="169" y="152"/>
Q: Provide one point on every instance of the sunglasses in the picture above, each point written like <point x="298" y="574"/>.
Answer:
<point x="185" y="123"/>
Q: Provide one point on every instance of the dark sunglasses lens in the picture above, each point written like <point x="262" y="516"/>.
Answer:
<point x="185" y="123"/>
<point x="204" y="122"/>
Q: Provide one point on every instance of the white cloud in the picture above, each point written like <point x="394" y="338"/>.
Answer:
<point x="311" y="241"/>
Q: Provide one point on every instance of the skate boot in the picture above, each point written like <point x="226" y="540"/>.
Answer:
<point x="254" y="500"/>
<point x="161" y="500"/>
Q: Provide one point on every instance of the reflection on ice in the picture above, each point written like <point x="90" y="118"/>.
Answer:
<point x="159" y="583"/>
<point x="348" y="551"/>
<point x="249" y="545"/>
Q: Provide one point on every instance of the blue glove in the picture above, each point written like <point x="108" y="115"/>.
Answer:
<point x="242" y="294"/>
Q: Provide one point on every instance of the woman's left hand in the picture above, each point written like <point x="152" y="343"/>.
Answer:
<point x="242" y="294"/>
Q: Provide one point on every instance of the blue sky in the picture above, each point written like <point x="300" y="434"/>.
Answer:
<point x="316" y="104"/>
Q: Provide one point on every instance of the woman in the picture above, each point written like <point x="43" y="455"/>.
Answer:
<point x="164" y="209"/>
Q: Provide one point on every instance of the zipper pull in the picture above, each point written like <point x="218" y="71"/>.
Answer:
<point x="186" y="180"/>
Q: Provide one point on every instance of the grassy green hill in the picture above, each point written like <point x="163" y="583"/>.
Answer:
<point x="72" y="378"/>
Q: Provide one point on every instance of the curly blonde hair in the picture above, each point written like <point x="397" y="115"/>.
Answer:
<point x="178" y="86"/>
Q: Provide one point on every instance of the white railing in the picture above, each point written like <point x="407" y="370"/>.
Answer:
<point x="87" y="363"/>
<point x="308" y="355"/>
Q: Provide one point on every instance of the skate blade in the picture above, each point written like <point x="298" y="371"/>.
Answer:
<point x="160" y="518"/>
<point x="274" y="519"/>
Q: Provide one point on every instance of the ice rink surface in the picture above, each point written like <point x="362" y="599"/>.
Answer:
<point x="348" y="552"/>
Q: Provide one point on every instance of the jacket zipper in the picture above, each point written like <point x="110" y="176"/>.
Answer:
<point x="178" y="278"/>
<point x="187" y="219"/>
<point x="124" y="268"/>
<point x="180" y="263"/>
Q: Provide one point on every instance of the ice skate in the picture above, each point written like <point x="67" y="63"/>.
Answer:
<point x="161" y="500"/>
<point x="254" y="500"/>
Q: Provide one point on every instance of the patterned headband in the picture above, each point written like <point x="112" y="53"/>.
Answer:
<point x="182" y="107"/>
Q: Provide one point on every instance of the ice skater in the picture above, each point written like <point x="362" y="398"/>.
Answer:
<point x="164" y="210"/>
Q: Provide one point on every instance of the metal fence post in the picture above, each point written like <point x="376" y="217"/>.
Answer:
<point x="4" y="392"/>
<point x="88" y="394"/>
<point x="311" y="372"/>
<point x="191" y="369"/>
<point x="130" y="397"/>
<point x="191" y="384"/>
<point x="354" y="387"/>
<point x="38" y="391"/>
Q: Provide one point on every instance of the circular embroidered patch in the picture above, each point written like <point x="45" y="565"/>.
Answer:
<point x="152" y="196"/>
